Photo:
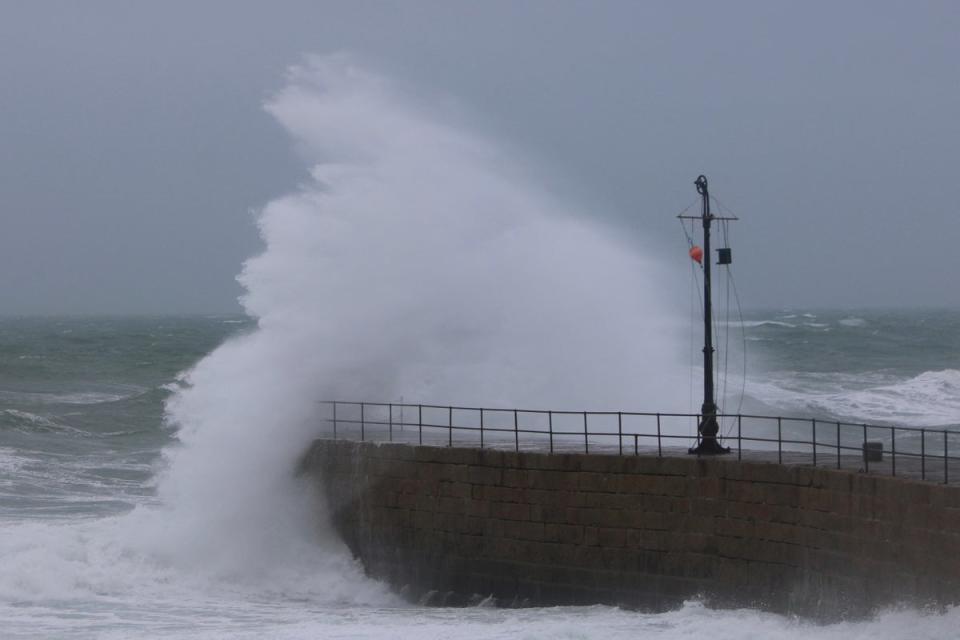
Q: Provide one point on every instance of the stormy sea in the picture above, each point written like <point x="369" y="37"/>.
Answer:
<point x="147" y="464"/>
<point x="107" y="533"/>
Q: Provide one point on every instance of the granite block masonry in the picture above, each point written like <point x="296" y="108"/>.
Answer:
<point x="455" y="525"/>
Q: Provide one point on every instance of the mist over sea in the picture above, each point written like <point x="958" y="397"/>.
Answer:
<point x="147" y="484"/>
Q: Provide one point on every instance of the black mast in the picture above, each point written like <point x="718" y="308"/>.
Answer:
<point x="708" y="427"/>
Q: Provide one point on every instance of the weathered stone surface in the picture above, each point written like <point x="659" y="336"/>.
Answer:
<point x="639" y="531"/>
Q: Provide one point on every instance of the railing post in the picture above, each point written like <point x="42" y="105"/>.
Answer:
<point x="923" y="454"/>
<point x="390" y="421"/>
<point x="516" y="432"/>
<point x="620" y="431"/>
<point x="779" y="440"/>
<point x="838" y="445"/>
<point x="334" y="420"/>
<point x="893" y="449"/>
<point x="363" y="423"/>
<point x="636" y="447"/>
<point x="450" y="426"/>
<point x="481" y="428"/>
<point x="586" y="439"/>
<point x="866" y="456"/>
<point x="946" y="466"/>
<point x="814" y="423"/>
<point x="420" y="421"/>
<point x="550" y="427"/>
<point x="659" y="443"/>
<point x="739" y="437"/>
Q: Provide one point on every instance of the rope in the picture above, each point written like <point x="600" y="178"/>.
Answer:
<point x="724" y="227"/>
<point x="743" y="335"/>
<point x="693" y="332"/>
<point x="694" y="294"/>
<point x="722" y="381"/>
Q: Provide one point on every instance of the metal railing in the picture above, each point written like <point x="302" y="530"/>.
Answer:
<point x="921" y="453"/>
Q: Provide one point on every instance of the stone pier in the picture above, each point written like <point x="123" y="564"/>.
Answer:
<point x="450" y="525"/>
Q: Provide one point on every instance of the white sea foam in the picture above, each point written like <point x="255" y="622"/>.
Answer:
<point x="852" y="322"/>
<point x="208" y="617"/>
<point x="926" y="400"/>
<point x="75" y="397"/>
<point x="762" y="323"/>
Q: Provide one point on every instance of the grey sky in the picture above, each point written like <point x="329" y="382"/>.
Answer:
<point x="133" y="143"/>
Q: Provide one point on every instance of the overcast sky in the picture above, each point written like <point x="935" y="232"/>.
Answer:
<point x="134" y="145"/>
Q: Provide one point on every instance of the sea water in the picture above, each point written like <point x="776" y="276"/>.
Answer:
<point x="88" y="548"/>
<point x="147" y="484"/>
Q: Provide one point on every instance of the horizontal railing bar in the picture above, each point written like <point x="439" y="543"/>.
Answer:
<point x="846" y="440"/>
<point x="651" y="414"/>
<point x="614" y="434"/>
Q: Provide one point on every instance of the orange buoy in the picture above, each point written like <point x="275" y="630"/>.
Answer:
<point x="696" y="253"/>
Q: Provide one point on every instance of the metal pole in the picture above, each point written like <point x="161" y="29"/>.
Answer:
<point x="866" y="456"/>
<point x="708" y="427"/>
<point x="586" y="440"/>
<point x="814" y="423"/>
<point x="739" y="437"/>
<point x="450" y="424"/>
<point x="946" y="467"/>
<point x="334" y="420"/>
<point x="550" y="426"/>
<point x="923" y="454"/>
<point x="838" y="445"/>
<point x="390" y="421"/>
<point x="659" y="443"/>
<point x="620" y="431"/>
<point x="362" y="423"/>
<point x="481" y="428"/>
<point x="893" y="449"/>
<point x="420" y="421"/>
<point x="516" y="432"/>
<point x="780" y="440"/>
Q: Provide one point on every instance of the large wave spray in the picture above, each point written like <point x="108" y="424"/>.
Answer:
<point x="414" y="262"/>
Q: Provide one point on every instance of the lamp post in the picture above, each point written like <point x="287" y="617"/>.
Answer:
<point x="709" y="428"/>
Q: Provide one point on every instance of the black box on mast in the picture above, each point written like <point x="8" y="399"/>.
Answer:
<point x="724" y="256"/>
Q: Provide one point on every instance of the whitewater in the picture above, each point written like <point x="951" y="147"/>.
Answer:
<point x="147" y="484"/>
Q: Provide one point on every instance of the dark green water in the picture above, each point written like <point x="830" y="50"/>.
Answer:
<point x="81" y="406"/>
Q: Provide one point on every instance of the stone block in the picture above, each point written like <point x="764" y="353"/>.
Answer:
<point x="563" y="533"/>
<point x="486" y="475"/>
<point x="604" y="464"/>
<point x="549" y="513"/>
<point x="510" y="511"/>
<point x="611" y="501"/>
<point x="735" y="527"/>
<point x="491" y="458"/>
<point x="611" y="537"/>
<point x="708" y="487"/>
<point x="636" y="483"/>
<point x="743" y="491"/>
<point x="649" y="540"/>
<point x="518" y="477"/>
<point x="451" y="505"/>
<point x="455" y="489"/>
<point x="688" y="466"/>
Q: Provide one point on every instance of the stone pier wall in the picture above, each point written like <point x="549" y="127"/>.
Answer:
<point x="449" y="525"/>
